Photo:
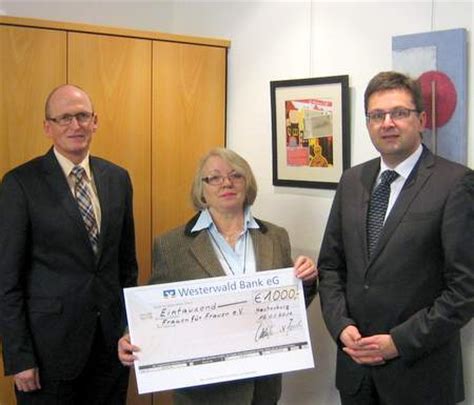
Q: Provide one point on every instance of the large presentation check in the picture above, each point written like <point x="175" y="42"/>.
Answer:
<point x="218" y="329"/>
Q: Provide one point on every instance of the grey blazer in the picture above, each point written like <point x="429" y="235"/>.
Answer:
<point x="181" y="255"/>
<point x="418" y="286"/>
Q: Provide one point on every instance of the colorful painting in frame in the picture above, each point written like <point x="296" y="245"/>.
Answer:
<point x="438" y="60"/>
<point x="310" y="129"/>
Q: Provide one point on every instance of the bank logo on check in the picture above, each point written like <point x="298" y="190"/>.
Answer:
<point x="242" y="327"/>
<point x="169" y="293"/>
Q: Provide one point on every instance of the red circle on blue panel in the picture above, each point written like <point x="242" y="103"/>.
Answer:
<point x="446" y="97"/>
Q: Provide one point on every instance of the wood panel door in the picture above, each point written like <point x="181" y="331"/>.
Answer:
<point x="189" y="95"/>
<point x="32" y="62"/>
<point x="116" y="72"/>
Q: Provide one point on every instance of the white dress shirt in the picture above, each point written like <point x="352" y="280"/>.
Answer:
<point x="67" y="166"/>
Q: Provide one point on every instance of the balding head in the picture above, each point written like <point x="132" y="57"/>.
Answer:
<point x="62" y="92"/>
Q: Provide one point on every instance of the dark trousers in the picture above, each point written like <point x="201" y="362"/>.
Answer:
<point x="103" y="381"/>
<point x="366" y="395"/>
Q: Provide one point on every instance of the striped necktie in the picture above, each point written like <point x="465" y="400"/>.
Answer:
<point x="84" y="202"/>
<point x="377" y="209"/>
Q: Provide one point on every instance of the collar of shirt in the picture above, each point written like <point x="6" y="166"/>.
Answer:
<point x="403" y="168"/>
<point x="205" y="221"/>
<point x="67" y="165"/>
<point x="237" y="260"/>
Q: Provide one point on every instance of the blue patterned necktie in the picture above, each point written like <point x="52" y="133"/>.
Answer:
<point x="84" y="202"/>
<point x="377" y="209"/>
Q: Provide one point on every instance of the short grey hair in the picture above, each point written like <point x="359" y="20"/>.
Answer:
<point x="238" y="163"/>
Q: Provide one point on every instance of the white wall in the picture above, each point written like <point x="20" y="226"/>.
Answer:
<point x="288" y="40"/>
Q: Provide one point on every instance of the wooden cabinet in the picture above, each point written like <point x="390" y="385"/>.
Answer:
<point x="32" y="62"/>
<point x="160" y="100"/>
<point x="116" y="72"/>
<point x="188" y="97"/>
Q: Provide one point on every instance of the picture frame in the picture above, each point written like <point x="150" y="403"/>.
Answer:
<point x="310" y="131"/>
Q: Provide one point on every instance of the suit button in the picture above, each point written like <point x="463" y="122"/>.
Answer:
<point x="366" y="287"/>
<point x="98" y="313"/>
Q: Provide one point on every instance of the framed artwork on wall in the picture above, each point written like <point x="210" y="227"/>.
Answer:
<point x="438" y="59"/>
<point x="310" y="131"/>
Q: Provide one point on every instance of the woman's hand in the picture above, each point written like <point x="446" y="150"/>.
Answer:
<point x="305" y="269"/>
<point x="125" y="350"/>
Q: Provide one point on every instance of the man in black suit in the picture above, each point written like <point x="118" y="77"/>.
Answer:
<point x="67" y="248"/>
<point x="395" y="299"/>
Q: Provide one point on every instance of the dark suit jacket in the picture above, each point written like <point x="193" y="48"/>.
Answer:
<point x="418" y="286"/>
<point x="52" y="287"/>
<point x="181" y="255"/>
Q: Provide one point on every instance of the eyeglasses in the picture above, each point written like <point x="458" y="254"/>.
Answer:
<point x="66" y="119"/>
<point x="396" y="114"/>
<point x="218" y="180"/>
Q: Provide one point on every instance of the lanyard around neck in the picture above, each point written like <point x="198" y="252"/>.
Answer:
<point x="223" y="256"/>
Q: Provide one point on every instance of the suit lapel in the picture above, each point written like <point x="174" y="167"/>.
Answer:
<point x="201" y="248"/>
<point x="102" y="185"/>
<point x="263" y="248"/>
<point x="57" y="182"/>
<point x="415" y="182"/>
<point x="367" y="179"/>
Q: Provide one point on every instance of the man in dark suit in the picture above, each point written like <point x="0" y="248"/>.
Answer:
<point x="67" y="248"/>
<point x="395" y="299"/>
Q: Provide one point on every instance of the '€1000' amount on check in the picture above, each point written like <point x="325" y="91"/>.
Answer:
<point x="218" y="329"/>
